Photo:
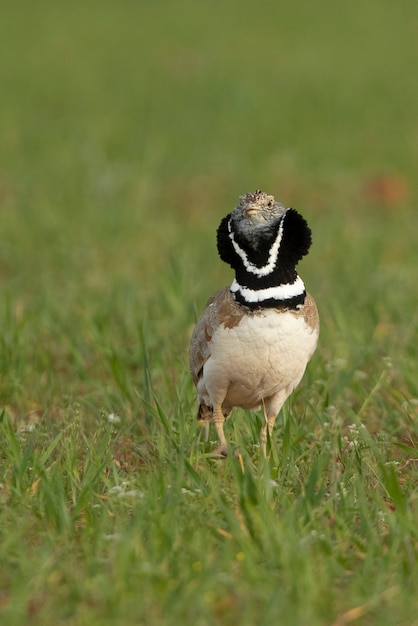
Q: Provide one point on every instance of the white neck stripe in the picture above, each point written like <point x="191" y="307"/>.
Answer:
<point x="274" y="251"/>
<point x="280" y="292"/>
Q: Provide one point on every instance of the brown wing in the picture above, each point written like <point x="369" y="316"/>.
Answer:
<point x="310" y="312"/>
<point x="221" y="308"/>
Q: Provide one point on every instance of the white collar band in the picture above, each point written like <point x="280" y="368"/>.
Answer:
<point x="279" y="292"/>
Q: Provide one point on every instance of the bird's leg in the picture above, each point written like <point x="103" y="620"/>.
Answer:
<point x="218" y="422"/>
<point x="269" y="422"/>
<point x="204" y="425"/>
<point x="204" y="417"/>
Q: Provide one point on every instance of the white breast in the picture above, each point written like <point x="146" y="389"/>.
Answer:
<point x="257" y="358"/>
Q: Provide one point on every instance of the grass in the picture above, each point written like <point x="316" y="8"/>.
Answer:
<point x="128" y="130"/>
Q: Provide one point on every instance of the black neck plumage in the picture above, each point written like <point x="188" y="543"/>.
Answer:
<point x="265" y="265"/>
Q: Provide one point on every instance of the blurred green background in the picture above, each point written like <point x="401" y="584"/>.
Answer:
<point x="127" y="131"/>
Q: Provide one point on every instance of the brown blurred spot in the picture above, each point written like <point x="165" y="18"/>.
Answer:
<point x="387" y="189"/>
<point x="128" y="456"/>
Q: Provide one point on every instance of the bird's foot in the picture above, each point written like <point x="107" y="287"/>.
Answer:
<point x="220" y="452"/>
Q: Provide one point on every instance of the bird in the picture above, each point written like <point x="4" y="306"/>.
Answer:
<point x="254" y="338"/>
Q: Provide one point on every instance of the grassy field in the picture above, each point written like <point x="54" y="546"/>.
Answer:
<point x="128" y="130"/>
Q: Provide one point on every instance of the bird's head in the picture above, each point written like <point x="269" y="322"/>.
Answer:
<point x="256" y="215"/>
<point x="262" y="230"/>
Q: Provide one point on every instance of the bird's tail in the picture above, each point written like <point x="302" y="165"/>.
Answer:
<point x="204" y="413"/>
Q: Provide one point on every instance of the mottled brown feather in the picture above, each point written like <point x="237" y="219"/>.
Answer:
<point x="221" y="308"/>
<point x="309" y="312"/>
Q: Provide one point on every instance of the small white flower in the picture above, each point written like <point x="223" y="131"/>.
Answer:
<point x="223" y="577"/>
<point x="113" y="537"/>
<point x="114" y="490"/>
<point x="28" y="428"/>
<point x="113" y="418"/>
<point x="190" y="492"/>
<point x="147" y="567"/>
<point x="336" y="364"/>
<point x="360" y="375"/>
<point x="132" y="493"/>
<point x="332" y="413"/>
<point x="354" y="428"/>
<point x="343" y="490"/>
<point x="387" y="360"/>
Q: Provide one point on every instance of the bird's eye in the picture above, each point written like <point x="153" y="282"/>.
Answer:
<point x="269" y="204"/>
